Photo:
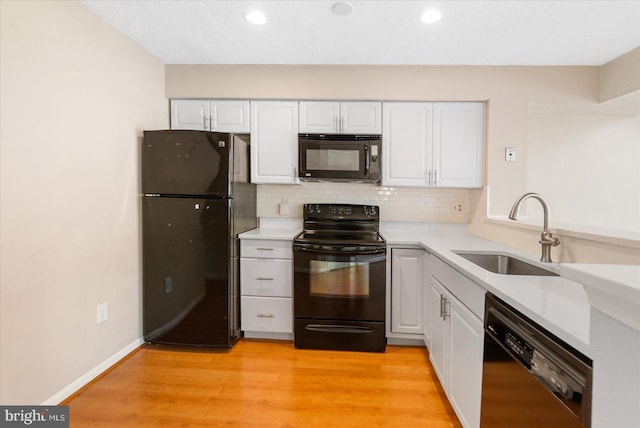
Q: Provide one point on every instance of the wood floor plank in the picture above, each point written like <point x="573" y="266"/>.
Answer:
<point x="266" y="384"/>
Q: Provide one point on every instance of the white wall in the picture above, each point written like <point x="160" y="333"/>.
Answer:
<point x="75" y="97"/>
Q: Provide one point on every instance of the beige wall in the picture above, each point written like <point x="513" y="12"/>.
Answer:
<point x="508" y="90"/>
<point x="75" y="97"/>
<point x="620" y="76"/>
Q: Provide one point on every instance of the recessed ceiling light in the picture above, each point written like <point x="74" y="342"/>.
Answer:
<point x="431" y="16"/>
<point x="342" y="8"/>
<point x="256" y="17"/>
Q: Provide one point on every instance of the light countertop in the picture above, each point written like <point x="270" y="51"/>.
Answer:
<point x="560" y="304"/>
<point x="274" y="228"/>
<point x="613" y="289"/>
<point x="556" y="303"/>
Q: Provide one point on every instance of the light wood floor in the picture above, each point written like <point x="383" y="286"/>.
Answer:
<point x="266" y="384"/>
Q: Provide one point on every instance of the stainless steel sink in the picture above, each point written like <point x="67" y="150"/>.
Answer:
<point x="504" y="264"/>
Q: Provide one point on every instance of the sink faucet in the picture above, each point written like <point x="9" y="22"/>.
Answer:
<point x="547" y="240"/>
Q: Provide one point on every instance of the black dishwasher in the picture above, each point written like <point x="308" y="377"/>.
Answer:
<point x="531" y="378"/>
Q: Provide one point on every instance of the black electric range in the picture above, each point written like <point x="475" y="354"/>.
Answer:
<point x="340" y="279"/>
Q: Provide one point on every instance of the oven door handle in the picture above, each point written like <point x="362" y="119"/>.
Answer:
<point x="329" y="328"/>
<point x="364" y="250"/>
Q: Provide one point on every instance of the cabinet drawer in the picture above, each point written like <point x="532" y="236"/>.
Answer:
<point x="269" y="314"/>
<point x="465" y="290"/>
<point x="266" y="277"/>
<point x="266" y="249"/>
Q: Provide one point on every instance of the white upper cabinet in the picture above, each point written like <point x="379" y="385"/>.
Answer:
<point x="406" y="143"/>
<point x="335" y="117"/>
<point x="458" y="135"/>
<point x="319" y="117"/>
<point x="274" y="142"/>
<point x="211" y="115"/>
<point x="433" y="144"/>
<point x="190" y="114"/>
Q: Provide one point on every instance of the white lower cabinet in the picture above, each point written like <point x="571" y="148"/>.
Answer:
<point x="266" y="315"/>
<point x="266" y="289"/>
<point x="407" y="275"/>
<point x="456" y="346"/>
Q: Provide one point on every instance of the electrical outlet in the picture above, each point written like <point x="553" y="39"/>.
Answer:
<point x="510" y="154"/>
<point x="285" y="206"/>
<point x="103" y="313"/>
<point x="457" y="208"/>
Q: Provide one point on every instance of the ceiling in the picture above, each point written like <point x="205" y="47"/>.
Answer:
<point x="378" y="32"/>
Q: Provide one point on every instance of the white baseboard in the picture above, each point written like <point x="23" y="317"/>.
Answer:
<point x="74" y="386"/>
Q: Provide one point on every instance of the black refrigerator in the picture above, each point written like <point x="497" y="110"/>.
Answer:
<point x="197" y="198"/>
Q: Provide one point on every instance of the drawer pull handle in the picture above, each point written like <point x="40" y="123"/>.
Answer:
<point x="265" y="249"/>
<point x="260" y="278"/>
<point x="266" y="316"/>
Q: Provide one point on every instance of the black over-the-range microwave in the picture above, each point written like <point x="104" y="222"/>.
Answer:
<point x="339" y="157"/>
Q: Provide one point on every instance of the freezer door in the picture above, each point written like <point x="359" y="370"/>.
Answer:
<point x="185" y="163"/>
<point x="187" y="292"/>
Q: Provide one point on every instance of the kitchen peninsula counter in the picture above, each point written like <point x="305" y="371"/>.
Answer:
<point x="556" y="303"/>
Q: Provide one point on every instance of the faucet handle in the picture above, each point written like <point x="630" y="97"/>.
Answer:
<point x="548" y="239"/>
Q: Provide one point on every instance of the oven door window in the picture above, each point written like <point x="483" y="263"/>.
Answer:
<point x="339" y="279"/>
<point x="339" y="286"/>
<point x="325" y="159"/>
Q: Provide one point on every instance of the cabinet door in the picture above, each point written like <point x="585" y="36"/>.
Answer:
<point x="230" y="116"/>
<point x="266" y="277"/>
<point x="437" y="352"/>
<point x="458" y="136"/>
<point x="426" y="300"/>
<point x="465" y="346"/>
<point x="267" y="314"/>
<point x="406" y="290"/>
<point x="319" y="117"/>
<point x="406" y="144"/>
<point x="274" y="141"/>
<point x="361" y="117"/>
<point x="190" y="114"/>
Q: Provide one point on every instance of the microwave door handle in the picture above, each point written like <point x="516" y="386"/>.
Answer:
<point x="366" y="160"/>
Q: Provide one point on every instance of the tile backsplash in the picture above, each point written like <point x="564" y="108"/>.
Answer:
<point x="396" y="203"/>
